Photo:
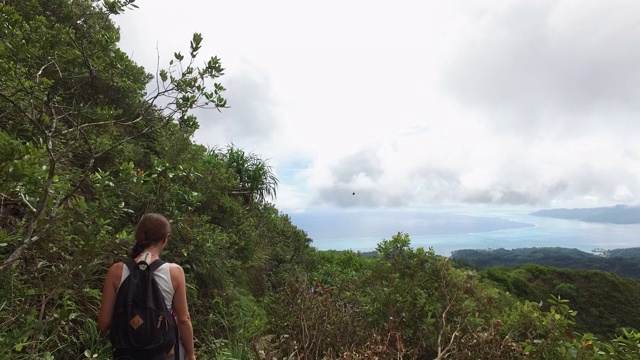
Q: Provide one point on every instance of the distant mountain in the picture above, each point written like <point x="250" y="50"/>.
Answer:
<point x="622" y="262"/>
<point x="620" y="214"/>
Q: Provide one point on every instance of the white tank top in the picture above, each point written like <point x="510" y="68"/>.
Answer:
<point x="163" y="279"/>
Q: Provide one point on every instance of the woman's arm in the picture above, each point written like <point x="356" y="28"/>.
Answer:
<point x="182" y="310"/>
<point x="109" y="290"/>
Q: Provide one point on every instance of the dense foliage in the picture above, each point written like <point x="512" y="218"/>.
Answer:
<point x="622" y="262"/>
<point x="605" y="303"/>
<point x="85" y="150"/>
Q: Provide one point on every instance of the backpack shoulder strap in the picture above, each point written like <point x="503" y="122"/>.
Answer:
<point x="156" y="264"/>
<point x="130" y="263"/>
<point x="153" y="267"/>
<point x="132" y="266"/>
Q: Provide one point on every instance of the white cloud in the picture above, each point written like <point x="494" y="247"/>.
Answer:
<point x="415" y="104"/>
<point x="248" y="121"/>
<point x="559" y="66"/>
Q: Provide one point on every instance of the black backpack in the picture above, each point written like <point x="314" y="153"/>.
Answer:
<point x="142" y="327"/>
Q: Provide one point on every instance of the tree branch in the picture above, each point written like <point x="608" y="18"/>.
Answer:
<point x="110" y="122"/>
<point x="15" y="105"/>
<point x="29" y="237"/>
<point x="27" y="202"/>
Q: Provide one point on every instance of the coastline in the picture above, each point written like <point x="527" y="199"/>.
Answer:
<point x="451" y="230"/>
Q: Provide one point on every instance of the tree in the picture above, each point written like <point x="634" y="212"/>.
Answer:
<point x="69" y="98"/>
<point x="256" y="179"/>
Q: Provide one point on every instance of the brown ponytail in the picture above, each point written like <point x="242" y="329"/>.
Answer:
<point x="151" y="230"/>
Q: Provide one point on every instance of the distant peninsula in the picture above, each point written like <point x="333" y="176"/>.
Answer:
<point x="619" y="214"/>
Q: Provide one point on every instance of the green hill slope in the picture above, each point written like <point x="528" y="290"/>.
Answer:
<point x="622" y="262"/>
<point x="605" y="302"/>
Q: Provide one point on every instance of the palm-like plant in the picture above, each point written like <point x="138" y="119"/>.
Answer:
<point x="257" y="182"/>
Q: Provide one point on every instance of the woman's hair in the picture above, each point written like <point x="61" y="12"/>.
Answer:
<point x="151" y="230"/>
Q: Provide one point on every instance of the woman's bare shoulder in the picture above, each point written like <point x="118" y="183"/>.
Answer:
<point x="116" y="268"/>
<point x="177" y="275"/>
<point x="175" y="268"/>
<point x="114" y="274"/>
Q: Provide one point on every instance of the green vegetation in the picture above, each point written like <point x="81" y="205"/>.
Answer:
<point x="622" y="262"/>
<point x="602" y="288"/>
<point x="605" y="303"/>
<point x="85" y="151"/>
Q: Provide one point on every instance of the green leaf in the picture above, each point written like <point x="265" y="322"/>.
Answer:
<point x="163" y="75"/>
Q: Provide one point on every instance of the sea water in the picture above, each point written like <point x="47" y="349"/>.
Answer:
<point x="447" y="230"/>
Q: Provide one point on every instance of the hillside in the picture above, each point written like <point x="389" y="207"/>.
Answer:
<point x="604" y="302"/>
<point x="622" y="262"/>
<point x="600" y="287"/>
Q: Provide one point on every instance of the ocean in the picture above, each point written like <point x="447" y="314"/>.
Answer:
<point x="449" y="229"/>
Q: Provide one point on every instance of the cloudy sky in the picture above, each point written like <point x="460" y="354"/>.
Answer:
<point x="419" y="103"/>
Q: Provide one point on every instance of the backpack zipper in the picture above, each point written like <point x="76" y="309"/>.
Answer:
<point x="161" y="319"/>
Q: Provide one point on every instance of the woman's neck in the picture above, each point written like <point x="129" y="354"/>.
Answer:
<point x="153" y="254"/>
<point x="153" y="250"/>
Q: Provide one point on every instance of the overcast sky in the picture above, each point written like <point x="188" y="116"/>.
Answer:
<point x="419" y="103"/>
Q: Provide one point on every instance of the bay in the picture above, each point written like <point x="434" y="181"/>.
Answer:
<point x="450" y="229"/>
